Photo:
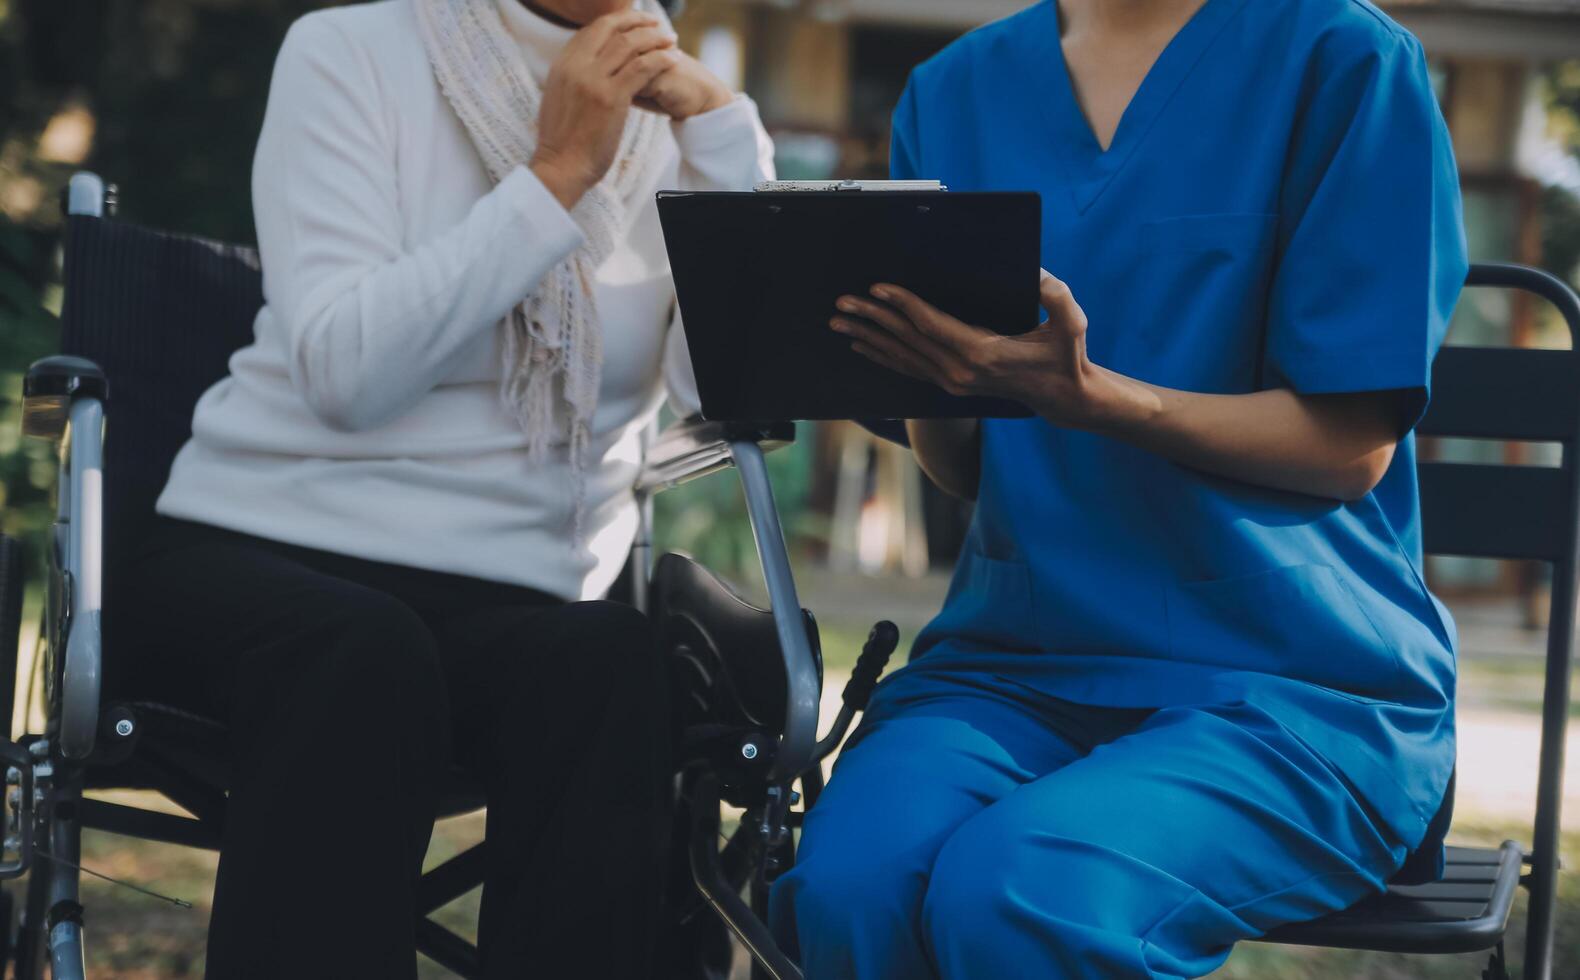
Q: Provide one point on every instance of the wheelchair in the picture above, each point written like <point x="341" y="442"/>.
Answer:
<point x="150" y="322"/>
<point x="152" y="319"/>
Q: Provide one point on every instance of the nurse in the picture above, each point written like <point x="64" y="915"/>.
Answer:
<point x="1188" y="684"/>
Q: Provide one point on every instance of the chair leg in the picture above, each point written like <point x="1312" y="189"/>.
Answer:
<point x="60" y="867"/>
<point x="1497" y="965"/>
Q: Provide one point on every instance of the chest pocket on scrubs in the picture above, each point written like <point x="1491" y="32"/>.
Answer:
<point x="1300" y="622"/>
<point x="1201" y="286"/>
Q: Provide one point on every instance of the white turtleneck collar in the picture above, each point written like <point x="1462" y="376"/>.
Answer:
<point x="541" y="40"/>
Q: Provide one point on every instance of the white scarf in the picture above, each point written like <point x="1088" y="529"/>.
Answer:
<point x="554" y="338"/>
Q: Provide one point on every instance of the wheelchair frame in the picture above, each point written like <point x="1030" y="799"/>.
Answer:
<point x="65" y="402"/>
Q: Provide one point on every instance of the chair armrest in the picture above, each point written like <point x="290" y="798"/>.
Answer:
<point x="693" y="448"/>
<point x="63" y="401"/>
<point x="49" y="389"/>
<point x="803" y="683"/>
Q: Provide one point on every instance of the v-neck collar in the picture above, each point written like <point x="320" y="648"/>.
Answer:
<point x="1088" y="168"/>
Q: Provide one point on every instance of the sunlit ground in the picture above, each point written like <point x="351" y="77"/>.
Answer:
<point x="135" y="937"/>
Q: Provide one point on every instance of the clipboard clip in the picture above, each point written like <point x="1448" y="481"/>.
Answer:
<point x="841" y="186"/>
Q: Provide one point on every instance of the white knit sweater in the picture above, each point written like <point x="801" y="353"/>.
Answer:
<point x="365" y="418"/>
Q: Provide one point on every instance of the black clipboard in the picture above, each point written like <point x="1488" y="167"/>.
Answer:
<point x="757" y="273"/>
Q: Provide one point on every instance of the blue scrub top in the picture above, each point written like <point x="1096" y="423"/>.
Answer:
<point x="1279" y="208"/>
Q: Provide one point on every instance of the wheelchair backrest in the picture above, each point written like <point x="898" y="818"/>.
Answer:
<point x="161" y="314"/>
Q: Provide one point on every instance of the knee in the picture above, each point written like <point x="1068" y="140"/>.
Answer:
<point x="609" y="647"/>
<point x="1017" y="885"/>
<point x="850" y="916"/>
<point x="378" y="644"/>
<point x="360" y="670"/>
<point x="967" y="887"/>
<point x="611" y="633"/>
<point x="832" y="898"/>
<point x="1003" y="861"/>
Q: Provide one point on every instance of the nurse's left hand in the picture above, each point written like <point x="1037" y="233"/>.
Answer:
<point x="1046" y="369"/>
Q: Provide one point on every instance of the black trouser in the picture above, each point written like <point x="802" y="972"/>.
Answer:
<point x="350" y="688"/>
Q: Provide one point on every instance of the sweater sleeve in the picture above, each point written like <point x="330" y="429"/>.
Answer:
<point x="372" y="323"/>
<point x="723" y="150"/>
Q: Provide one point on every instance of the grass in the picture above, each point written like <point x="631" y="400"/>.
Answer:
<point x="133" y="937"/>
<point x="1510" y="684"/>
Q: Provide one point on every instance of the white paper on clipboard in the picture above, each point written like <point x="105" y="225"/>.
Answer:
<point x="770" y="186"/>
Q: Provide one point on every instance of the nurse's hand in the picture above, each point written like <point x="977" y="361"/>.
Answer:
<point x="1327" y="445"/>
<point x="1046" y="369"/>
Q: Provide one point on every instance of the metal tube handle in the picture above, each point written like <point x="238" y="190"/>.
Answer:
<point x="798" y="743"/>
<point x="84" y="566"/>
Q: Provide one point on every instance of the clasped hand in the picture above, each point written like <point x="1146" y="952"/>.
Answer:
<point x="619" y="61"/>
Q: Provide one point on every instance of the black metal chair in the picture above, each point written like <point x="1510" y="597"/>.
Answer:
<point x="149" y="323"/>
<point x="1495" y="511"/>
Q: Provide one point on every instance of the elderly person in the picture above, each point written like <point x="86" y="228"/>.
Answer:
<point x="1189" y="683"/>
<point x="383" y="549"/>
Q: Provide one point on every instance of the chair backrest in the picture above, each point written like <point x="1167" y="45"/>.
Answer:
<point x="161" y="314"/>
<point x="1517" y="512"/>
<point x="1495" y="510"/>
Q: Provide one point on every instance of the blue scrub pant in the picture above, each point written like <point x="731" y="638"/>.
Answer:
<point x="968" y="835"/>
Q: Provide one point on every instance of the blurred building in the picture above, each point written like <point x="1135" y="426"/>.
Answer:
<point x="826" y="74"/>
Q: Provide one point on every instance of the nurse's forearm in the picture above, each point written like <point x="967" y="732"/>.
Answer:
<point x="1336" y="446"/>
<point x="949" y="451"/>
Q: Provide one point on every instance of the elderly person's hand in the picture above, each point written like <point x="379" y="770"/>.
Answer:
<point x="1045" y="369"/>
<point x="684" y="90"/>
<point x="589" y="93"/>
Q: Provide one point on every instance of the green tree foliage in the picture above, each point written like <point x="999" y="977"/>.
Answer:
<point x="177" y="88"/>
<point x="1560" y="208"/>
<point x="175" y="92"/>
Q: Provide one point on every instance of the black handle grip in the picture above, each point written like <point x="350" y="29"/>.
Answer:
<point x="885" y="636"/>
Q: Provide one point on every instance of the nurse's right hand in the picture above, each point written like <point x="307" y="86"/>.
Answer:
<point x="1046" y="369"/>
<point x="1337" y="445"/>
<point x="589" y="94"/>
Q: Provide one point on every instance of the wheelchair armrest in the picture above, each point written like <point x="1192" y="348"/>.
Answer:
<point x="63" y="401"/>
<point x="50" y="388"/>
<point x="803" y="676"/>
<point x="693" y="448"/>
